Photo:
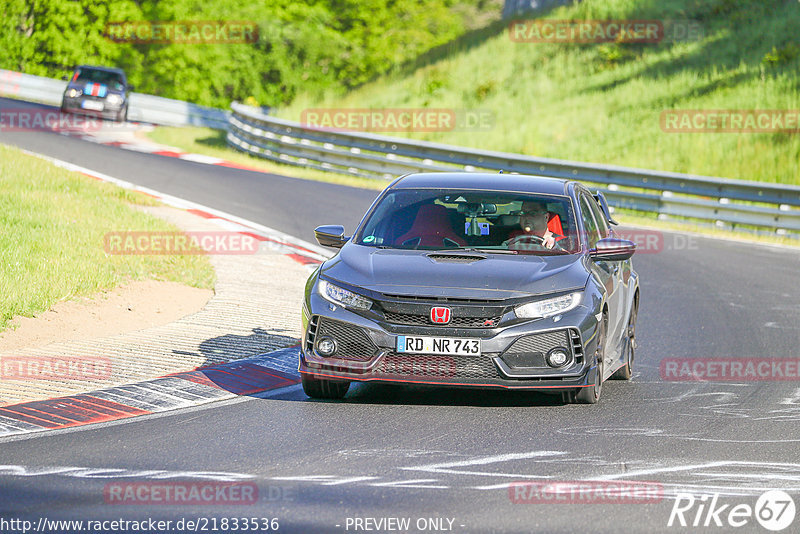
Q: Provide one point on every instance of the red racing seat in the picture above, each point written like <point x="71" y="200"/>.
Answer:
<point x="431" y="228"/>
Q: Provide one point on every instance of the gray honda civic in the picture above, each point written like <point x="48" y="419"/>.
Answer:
<point x="474" y="280"/>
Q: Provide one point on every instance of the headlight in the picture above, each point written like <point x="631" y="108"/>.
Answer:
<point x="72" y="93"/>
<point x="548" y="307"/>
<point x="343" y="297"/>
<point x="114" y="99"/>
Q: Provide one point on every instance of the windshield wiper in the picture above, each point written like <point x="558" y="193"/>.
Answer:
<point x="496" y="250"/>
<point x="477" y="249"/>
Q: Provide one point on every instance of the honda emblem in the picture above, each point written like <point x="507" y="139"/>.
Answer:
<point x="440" y="315"/>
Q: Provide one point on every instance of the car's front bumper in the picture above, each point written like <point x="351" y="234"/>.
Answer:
<point x="511" y="357"/>
<point x="109" y="110"/>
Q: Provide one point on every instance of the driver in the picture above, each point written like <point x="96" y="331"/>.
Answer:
<point x="533" y="222"/>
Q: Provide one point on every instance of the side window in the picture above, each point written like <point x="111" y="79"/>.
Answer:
<point x="602" y="225"/>
<point x="588" y="221"/>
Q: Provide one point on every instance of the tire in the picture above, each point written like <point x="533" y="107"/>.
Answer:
<point x="317" y="388"/>
<point x="122" y="115"/>
<point x="626" y="371"/>
<point x="591" y="395"/>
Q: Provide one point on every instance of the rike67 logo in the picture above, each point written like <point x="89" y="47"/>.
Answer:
<point x="774" y="510"/>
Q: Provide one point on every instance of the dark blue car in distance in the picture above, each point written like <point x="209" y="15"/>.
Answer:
<point x="97" y="91"/>
<point x="474" y="280"/>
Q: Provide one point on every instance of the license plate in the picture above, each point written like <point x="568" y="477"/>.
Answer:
<point x="91" y="104"/>
<point x="439" y="345"/>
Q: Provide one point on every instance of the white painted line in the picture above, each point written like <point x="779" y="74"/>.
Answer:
<point x="504" y="485"/>
<point x="315" y="251"/>
<point x="447" y="468"/>
<point x="487" y="460"/>
<point x="325" y="480"/>
<point x="200" y="158"/>
<point x="349" y="480"/>
<point x="421" y="483"/>
<point x="793" y="399"/>
<point x="658" y="470"/>
<point x="114" y="473"/>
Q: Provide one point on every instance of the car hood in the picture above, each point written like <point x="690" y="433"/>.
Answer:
<point x="414" y="273"/>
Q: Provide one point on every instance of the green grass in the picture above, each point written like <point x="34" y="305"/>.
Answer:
<point x="51" y="247"/>
<point x="602" y="102"/>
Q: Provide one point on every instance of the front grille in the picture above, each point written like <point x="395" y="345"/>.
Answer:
<point x="436" y="366"/>
<point x="540" y="342"/>
<point x="352" y="342"/>
<point x="414" y="319"/>
<point x="529" y="351"/>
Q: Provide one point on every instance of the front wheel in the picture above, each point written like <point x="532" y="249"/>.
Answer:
<point x="318" y="388"/>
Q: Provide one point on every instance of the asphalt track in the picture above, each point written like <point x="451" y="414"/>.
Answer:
<point x="422" y="453"/>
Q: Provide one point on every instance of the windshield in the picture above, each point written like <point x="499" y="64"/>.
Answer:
<point x="112" y="79"/>
<point x="490" y="221"/>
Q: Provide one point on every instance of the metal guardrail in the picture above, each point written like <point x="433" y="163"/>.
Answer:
<point x="720" y="200"/>
<point x="166" y="111"/>
<point x="141" y="107"/>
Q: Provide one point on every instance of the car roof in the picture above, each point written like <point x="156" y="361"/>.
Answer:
<point x="483" y="180"/>
<point x="95" y="67"/>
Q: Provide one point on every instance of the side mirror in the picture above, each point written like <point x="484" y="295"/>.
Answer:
<point x="613" y="249"/>
<point x="331" y="236"/>
<point x="65" y="77"/>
